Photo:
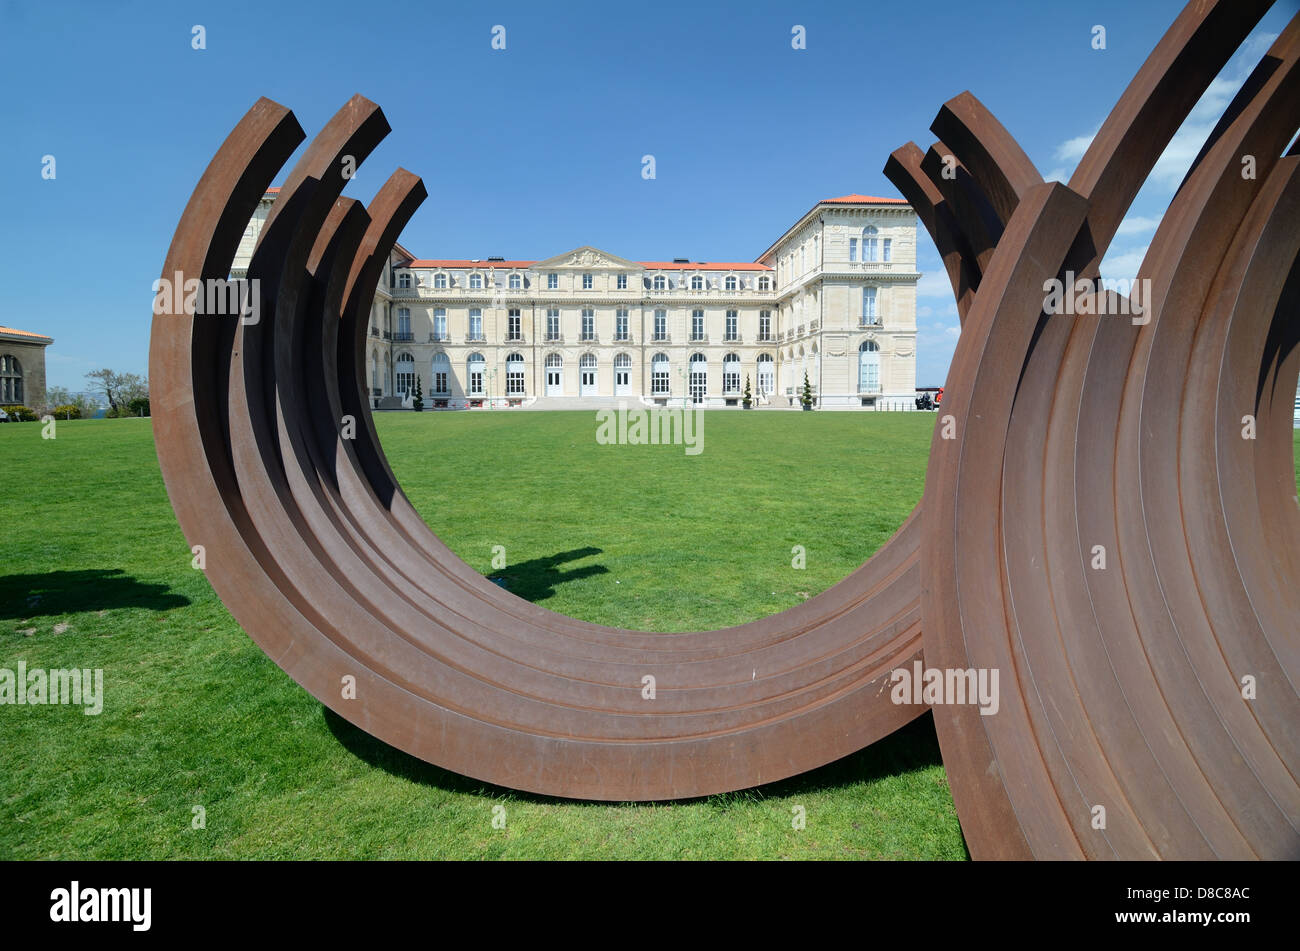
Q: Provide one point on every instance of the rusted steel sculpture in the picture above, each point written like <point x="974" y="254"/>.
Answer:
<point x="1113" y="524"/>
<point x="318" y="554"/>
<point x="1095" y="526"/>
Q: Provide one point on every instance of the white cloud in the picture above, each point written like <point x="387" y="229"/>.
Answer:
<point x="1122" y="266"/>
<point x="1137" y="224"/>
<point x="934" y="284"/>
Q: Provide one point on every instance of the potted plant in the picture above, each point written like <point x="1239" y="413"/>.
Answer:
<point x="747" y="399"/>
<point x="417" y="400"/>
<point x="806" y="394"/>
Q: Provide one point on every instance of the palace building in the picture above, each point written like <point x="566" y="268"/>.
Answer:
<point x="22" y="367"/>
<point x="834" y="297"/>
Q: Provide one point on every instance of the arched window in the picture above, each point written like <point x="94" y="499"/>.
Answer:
<point x="475" y="368"/>
<point x="661" y="282"/>
<point x="731" y="373"/>
<point x="554" y="373"/>
<point x="11" y="380"/>
<point x="659" y="375"/>
<point x="697" y="283"/>
<point x="622" y="374"/>
<point x="476" y="282"/>
<point x="869" y="367"/>
<point x="405" y="374"/>
<point x="440" y="281"/>
<point x="516" y="282"/>
<point x="515" y="375"/>
<point x="731" y="282"/>
<point x="441" y="374"/>
<point x="870" y="244"/>
<point x="587" y="375"/>
<point x="766" y="374"/>
<point x="764" y="283"/>
<point x="699" y="367"/>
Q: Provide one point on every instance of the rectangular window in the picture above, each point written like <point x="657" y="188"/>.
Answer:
<point x="732" y="333"/>
<point x="515" y="379"/>
<point x="620" y="324"/>
<point x="697" y="325"/>
<point x="731" y="378"/>
<point x="404" y="323"/>
<point x="514" y="330"/>
<point x="622" y="282"/>
<point x="853" y="249"/>
<point x="404" y="280"/>
<point x="440" y="382"/>
<point x="885" y="249"/>
<point x="764" y="325"/>
<point x="661" y="325"/>
<point x="405" y="383"/>
<point x="475" y="324"/>
<point x="869" y="315"/>
<point x="553" y="324"/>
<point x="588" y="324"/>
<point x="440" y="323"/>
<point x="659" y="380"/>
<point x="586" y="282"/>
<point x="869" y="249"/>
<point x="552" y="282"/>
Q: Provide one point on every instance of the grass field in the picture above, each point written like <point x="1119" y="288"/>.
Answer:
<point x="94" y="573"/>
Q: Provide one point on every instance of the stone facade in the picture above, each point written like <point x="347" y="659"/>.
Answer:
<point x="22" y="367"/>
<point x="834" y="297"/>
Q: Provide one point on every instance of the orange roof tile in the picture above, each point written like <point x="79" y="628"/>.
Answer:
<point x="862" y="200"/>
<point x="24" y="333"/>
<point x="648" y="265"/>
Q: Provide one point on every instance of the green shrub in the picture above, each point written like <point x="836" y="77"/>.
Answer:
<point x="20" y="413"/>
<point x="66" y="411"/>
<point x="137" y="407"/>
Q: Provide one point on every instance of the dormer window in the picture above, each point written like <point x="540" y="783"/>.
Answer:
<point x="697" y="283"/>
<point x="476" y="282"/>
<point x="404" y="279"/>
<point x="661" y="283"/>
<point x="516" y="282"/>
<point x="440" y="282"/>
<point x="764" y="283"/>
<point x="731" y="283"/>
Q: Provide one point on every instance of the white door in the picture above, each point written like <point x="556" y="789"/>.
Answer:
<point x="587" y="381"/>
<point x="622" y="381"/>
<point x="553" y="381"/>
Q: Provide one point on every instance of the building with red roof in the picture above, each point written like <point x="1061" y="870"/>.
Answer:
<point x="834" y="297"/>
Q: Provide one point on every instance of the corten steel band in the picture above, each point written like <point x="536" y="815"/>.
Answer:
<point x="1124" y="727"/>
<point x="311" y="543"/>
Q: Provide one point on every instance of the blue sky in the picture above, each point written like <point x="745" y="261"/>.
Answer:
<point x="534" y="150"/>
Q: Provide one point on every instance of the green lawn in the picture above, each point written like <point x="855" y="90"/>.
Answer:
<point x="95" y="573"/>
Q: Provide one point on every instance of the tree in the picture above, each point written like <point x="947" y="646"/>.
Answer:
<point x="806" y="394"/>
<point x="57" y="396"/>
<point x="417" y="401"/>
<point x="747" y="398"/>
<point x="119" y="389"/>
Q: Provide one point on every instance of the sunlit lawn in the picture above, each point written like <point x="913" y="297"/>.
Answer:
<point x="95" y="573"/>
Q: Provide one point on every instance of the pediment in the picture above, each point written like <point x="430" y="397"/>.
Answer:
<point x="587" y="257"/>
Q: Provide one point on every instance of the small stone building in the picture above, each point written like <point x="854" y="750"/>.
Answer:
<point x="22" y="367"/>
